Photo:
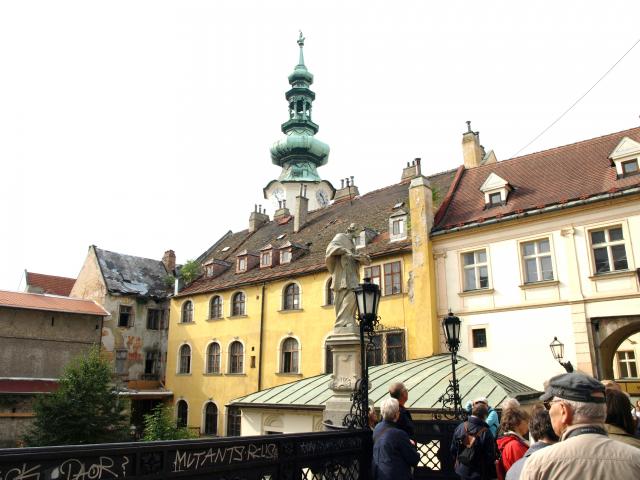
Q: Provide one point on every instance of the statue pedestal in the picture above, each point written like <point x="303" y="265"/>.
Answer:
<point x="345" y="348"/>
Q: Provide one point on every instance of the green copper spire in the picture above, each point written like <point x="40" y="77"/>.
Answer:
<point x="299" y="153"/>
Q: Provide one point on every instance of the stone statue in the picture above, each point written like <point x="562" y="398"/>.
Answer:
<point x="343" y="264"/>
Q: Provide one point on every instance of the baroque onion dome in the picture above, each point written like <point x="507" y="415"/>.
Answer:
<point x="300" y="153"/>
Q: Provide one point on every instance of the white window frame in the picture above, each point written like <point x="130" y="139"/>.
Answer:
<point x="211" y="317"/>
<point x="244" y="359"/>
<point x="242" y="262"/>
<point x="476" y="267"/>
<point x="193" y="311"/>
<point x="233" y="294"/>
<point x="402" y="219"/>
<point x="179" y="363"/>
<point x="205" y="370"/>
<point x="537" y="256"/>
<point x="284" y="253"/>
<point x="625" y="241"/>
<point x="281" y="355"/>
<point x="268" y="253"/>
<point x="627" y="361"/>
<point x="284" y="290"/>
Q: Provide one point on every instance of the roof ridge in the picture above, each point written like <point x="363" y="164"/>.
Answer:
<point x="127" y="255"/>
<point x="597" y="139"/>
<point x="48" y="275"/>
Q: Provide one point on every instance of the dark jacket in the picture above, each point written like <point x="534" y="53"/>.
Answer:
<point x="485" y="443"/>
<point x="405" y="422"/>
<point x="393" y="453"/>
<point x="516" y="468"/>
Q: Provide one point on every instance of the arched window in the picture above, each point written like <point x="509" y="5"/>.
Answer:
<point x="290" y="356"/>
<point x="330" y="300"/>
<point x="185" y="359"/>
<point x="182" y="413"/>
<point x="238" y="304"/>
<point x="211" y="419"/>
<point x="215" y="307"/>
<point x="213" y="358"/>
<point x="236" y="357"/>
<point x="292" y="297"/>
<point x="187" y="312"/>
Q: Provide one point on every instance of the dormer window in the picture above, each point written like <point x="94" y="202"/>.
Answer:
<point x="496" y="190"/>
<point x="242" y="264"/>
<point x="265" y="259"/>
<point x="208" y="269"/>
<point x="285" y="256"/>
<point x="495" y="199"/>
<point x="215" y="267"/>
<point x="630" y="167"/>
<point x="398" y="226"/>
<point x="625" y="157"/>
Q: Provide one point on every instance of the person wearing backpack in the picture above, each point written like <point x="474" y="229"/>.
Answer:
<point x="514" y="428"/>
<point x="473" y="447"/>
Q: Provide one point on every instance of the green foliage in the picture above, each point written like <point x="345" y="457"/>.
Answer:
<point x="160" y="425"/>
<point x="435" y="194"/>
<point x="84" y="409"/>
<point x="190" y="271"/>
<point x="169" y="281"/>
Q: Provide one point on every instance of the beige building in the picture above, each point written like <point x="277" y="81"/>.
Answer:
<point x="39" y="335"/>
<point x="135" y="293"/>
<point x="542" y="246"/>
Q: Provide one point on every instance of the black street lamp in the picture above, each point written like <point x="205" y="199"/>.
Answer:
<point x="451" y="401"/>
<point x="367" y="300"/>
<point x="557" y="350"/>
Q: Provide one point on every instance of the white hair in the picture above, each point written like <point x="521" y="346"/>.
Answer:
<point x="389" y="408"/>
<point x="509" y="403"/>
<point x="584" y="412"/>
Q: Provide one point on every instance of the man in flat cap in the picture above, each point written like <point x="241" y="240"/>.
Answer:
<point x="576" y="404"/>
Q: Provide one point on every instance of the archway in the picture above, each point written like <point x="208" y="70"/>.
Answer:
<point x="608" y="335"/>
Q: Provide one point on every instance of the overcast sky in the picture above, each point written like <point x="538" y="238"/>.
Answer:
<point x="140" y="126"/>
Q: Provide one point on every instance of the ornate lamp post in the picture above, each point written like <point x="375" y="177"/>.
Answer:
<point x="451" y="398"/>
<point x="367" y="299"/>
<point x="557" y="350"/>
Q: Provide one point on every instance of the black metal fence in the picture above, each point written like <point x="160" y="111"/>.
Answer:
<point x="433" y="439"/>
<point x="342" y="455"/>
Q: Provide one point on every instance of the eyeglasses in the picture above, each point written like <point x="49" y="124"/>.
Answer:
<point x="548" y="403"/>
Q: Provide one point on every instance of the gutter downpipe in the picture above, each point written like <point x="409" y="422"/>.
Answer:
<point x="261" y="338"/>
<point x="551" y="208"/>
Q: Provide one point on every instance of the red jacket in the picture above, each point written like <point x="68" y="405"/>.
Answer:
<point x="511" y="449"/>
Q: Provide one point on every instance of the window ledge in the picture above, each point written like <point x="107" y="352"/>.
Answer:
<point x="283" y="374"/>
<point x="397" y="239"/>
<point x="186" y="323"/>
<point x="215" y="319"/>
<point x="479" y="291"/>
<point x="211" y="374"/>
<point x="235" y="374"/>
<point x="327" y="305"/>
<point x="183" y="374"/>
<point x="544" y="283"/>
<point x="290" y="310"/>
<point x="390" y="295"/>
<point x="238" y="316"/>
<point x="617" y="273"/>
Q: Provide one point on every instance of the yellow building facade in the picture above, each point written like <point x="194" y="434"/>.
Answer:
<point x="244" y="326"/>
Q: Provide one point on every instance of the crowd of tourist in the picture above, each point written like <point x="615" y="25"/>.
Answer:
<point x="583" y="429"/>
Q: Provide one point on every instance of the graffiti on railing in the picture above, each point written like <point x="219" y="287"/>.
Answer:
<point x="186" y="460"/>
<point x="103" y="468"/>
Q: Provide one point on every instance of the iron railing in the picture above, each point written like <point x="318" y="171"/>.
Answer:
<point x="341" y="455"/>
<point x="433" y="440"/>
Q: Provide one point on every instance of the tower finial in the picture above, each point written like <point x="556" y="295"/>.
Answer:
<point x="301" y="45"/>
<point x="469" y="126"/>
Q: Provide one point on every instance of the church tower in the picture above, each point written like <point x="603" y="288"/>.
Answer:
<point x="299" y="153"/>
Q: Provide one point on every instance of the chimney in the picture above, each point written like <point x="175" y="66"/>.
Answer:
<point x="412" y="170"/>
<point x="348" y="190"/>
<point x="302" y="207"/>
<point x="471" y="149"/>
<point x="257" y="218"/>
<point x="169" y="260"/>
<point x="282" y="211"/>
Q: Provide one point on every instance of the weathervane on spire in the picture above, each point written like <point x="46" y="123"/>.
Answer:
<point x="301" y="44"/>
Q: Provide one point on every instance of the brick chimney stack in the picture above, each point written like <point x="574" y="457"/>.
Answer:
<point x="302" y="208"/>
<point x="257" y="218"/>
<point x="347" y="191"/>
<point x="169" y="260"/>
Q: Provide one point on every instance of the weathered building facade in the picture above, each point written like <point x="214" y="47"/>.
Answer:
<point x="39" y="335"/>
<point x="135" y="292"/>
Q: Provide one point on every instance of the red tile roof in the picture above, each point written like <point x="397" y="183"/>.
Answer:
<point x="36" y="301"/>
<point x="51" y="283"/>
<point x="371" y="210"/>
<point x="571" y="172"/>
<point x="27" y="385"/>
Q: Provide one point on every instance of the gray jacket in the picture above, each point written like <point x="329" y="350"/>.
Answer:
<point x="514" y="472"/>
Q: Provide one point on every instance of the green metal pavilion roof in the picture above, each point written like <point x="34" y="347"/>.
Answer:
<point x="425" y="378"/>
